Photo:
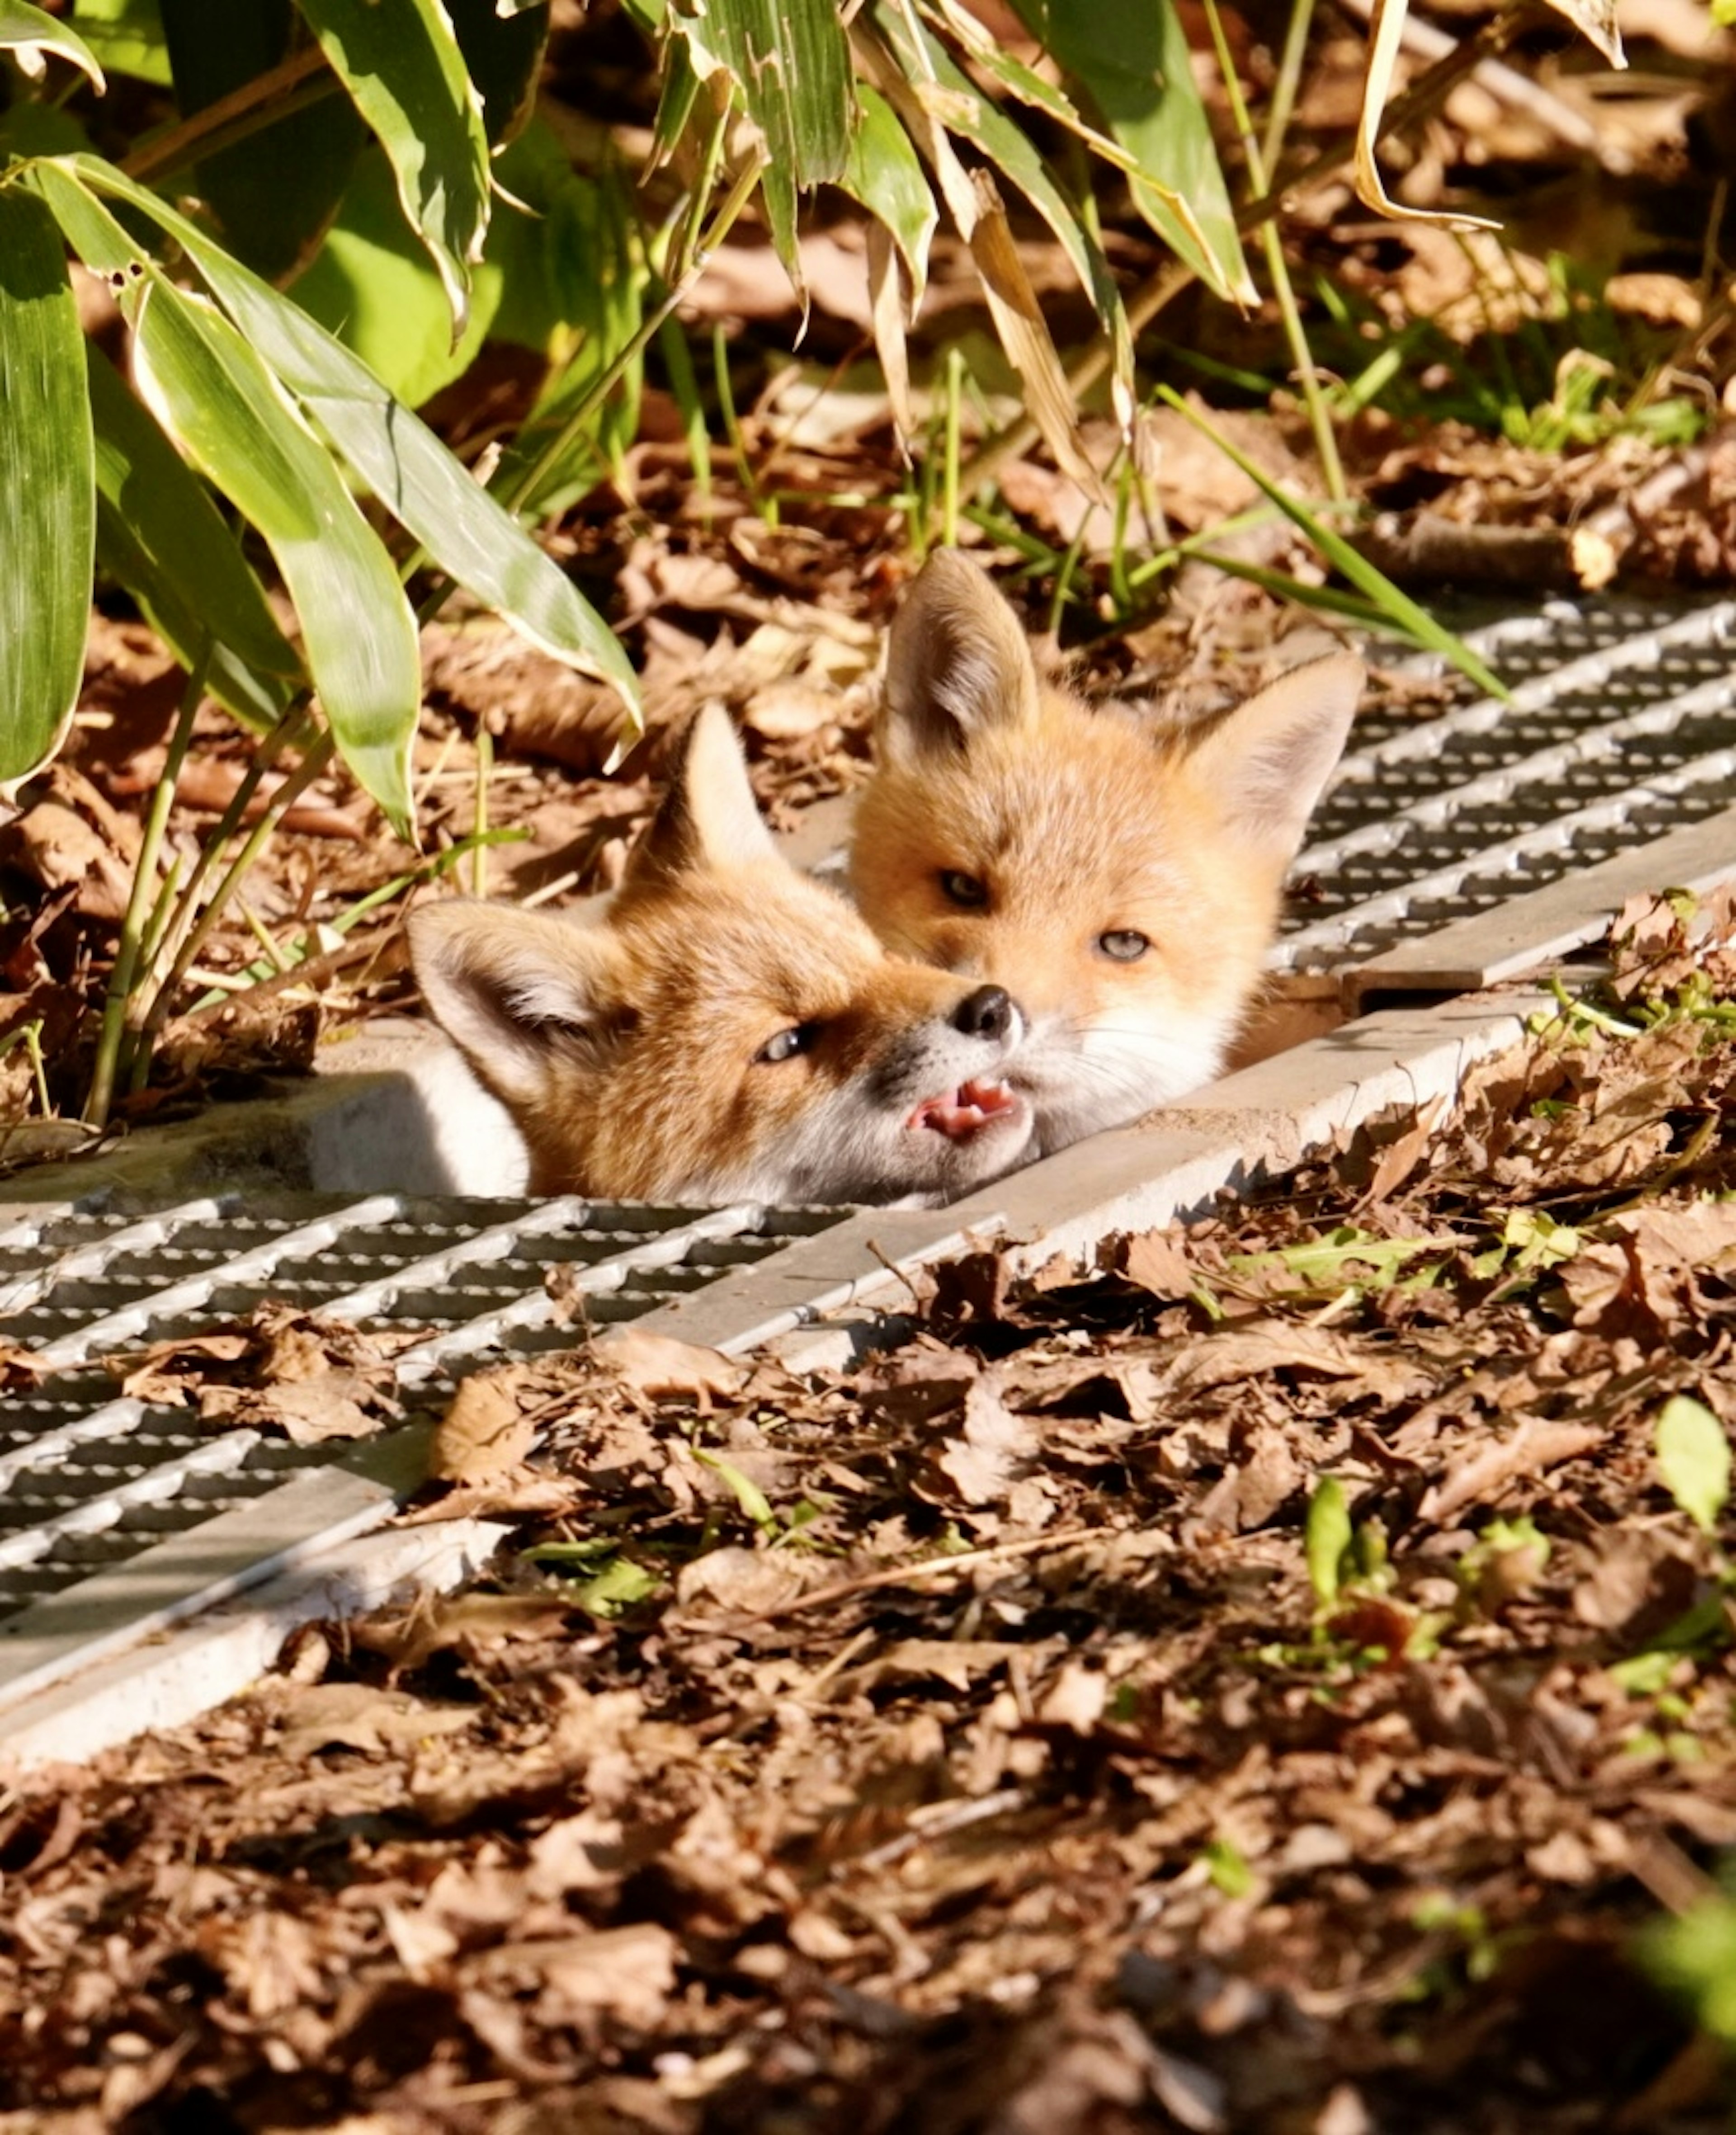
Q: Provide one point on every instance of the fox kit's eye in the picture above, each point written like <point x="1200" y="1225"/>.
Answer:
<point x="787" y="1043"/>
<point x="1123" y="946"/>
<point x="964" y="890"/>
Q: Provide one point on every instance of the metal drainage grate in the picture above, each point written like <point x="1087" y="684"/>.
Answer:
<point x="89" y="1481"/>
<point x="1623" y="728"/>
<point x="1617" y="757"/>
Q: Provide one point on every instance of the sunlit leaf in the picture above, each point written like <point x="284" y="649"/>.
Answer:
<point x="884" y="174"/>
<point x="373" y="285"/>
<point x="1023" y="333"/>
<point x="45" y="479"/>
<point x="126" y="37"/>
<point x="1327" y="1539"/>
<point x="268" y="197"/>
<point x="30" y="34"/>
<point x="160" y="535"/>
<point x="1132" y="58"/>
<point x="205" y="382"/>
<point x="930" y="91"/>
<point x="1693" y="1451"/>
<point x="403" y="67"/>
<point x="788" y="60"/>
<point x="464" y="528"/>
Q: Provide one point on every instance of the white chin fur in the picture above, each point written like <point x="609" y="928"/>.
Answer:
<point x="1111" y="1079"/>
<point x="871" y="1157"/>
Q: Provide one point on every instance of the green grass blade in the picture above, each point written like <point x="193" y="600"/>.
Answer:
<point x="47" y="481"/>
<point x="1398" y="608"/>
<point x="402" y="67"/>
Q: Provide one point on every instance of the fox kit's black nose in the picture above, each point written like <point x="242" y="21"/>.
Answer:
<point x="987" y="1013"/>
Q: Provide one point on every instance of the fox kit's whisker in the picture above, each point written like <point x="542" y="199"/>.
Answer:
<point x="1121" y="878"/>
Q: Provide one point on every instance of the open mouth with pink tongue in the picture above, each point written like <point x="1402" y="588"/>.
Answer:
<point x="960" y="1113"/>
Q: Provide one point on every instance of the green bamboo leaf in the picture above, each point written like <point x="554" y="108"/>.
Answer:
<point x="28" y="34"/>
<point x="884" y="174"/>
<point x="126" y="37"/>
<point x="954" y="101"/>
<point x="789" y="62"/>
<point x="372" y="284"/>
<point x="1693" y="1453"/>
<point x="1398" y="608"/>
<point x="159" y="532"/>
<point x="401" y="64"/>
<point x="268" y="196"/>
<point x="46" y="478"/>
<point x="464" y="528"/>
<point x="503" y="46"/>
<point x="209" y="387"/>
<point x="1132" y="58"/>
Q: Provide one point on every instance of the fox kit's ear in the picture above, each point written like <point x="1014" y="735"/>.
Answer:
<point x="956" y="662"/>
<point x="708" y="817"/>
<point x="508" y="986"/>
<point x="1266" y="762"/>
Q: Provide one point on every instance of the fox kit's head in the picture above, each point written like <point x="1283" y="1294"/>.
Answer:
<point x="1123" y="882"/>
<point x="729" y="1029"/>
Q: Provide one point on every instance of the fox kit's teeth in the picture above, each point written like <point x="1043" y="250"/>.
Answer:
<point x="961" y="1112"/>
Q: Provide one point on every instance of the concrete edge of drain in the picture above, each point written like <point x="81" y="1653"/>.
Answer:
<point x="177" y="1674"/>
<point x="817" y="1312"/>
<point x="809" y="1304"/>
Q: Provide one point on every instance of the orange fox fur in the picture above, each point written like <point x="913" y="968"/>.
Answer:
<point x="1122" y="880"/>
<point x="729" y="1029"/>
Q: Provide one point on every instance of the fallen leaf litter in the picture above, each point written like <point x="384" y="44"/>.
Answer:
<point x="1263" y="1685"/>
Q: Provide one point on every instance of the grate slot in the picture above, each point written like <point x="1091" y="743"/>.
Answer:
<point x="493" y="1330"/>
<point x="114" y="1329"/>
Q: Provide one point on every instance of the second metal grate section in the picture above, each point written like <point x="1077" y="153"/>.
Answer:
<point x="1623" y="726"/>
<point x="90" y="1477"/>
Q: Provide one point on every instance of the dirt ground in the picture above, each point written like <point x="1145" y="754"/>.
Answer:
<point x="1279" y="1683"/>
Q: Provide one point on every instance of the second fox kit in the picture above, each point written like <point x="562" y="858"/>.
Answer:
<point x="729" y="1029"/>
<point x="1122" y="882"/>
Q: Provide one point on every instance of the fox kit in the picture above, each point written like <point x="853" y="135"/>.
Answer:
<point x="729" y="1030"/>
<point x="1122" y="882"/>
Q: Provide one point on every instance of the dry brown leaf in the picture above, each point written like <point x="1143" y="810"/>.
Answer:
<point x="752" y="1581"/>
<point x="356" y="1715"/>
<point x="309" y="1411"/>
<point x="1533" y="1448"/>
<point x="661" y="1366"/>
<point x="1158" y="1263"/>
<point x="1277" y="1345"/>
<point x="1400" y="1157"/>
<point x="997" y="1447"/>
<point x="484" y="1432"/>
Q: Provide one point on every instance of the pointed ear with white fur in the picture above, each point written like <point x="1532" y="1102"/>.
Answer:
<point x="512" y="987"/>
<point x="708" y="817"/>
<point x="957" y="662"/>
<point x="1266" y="762"/>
